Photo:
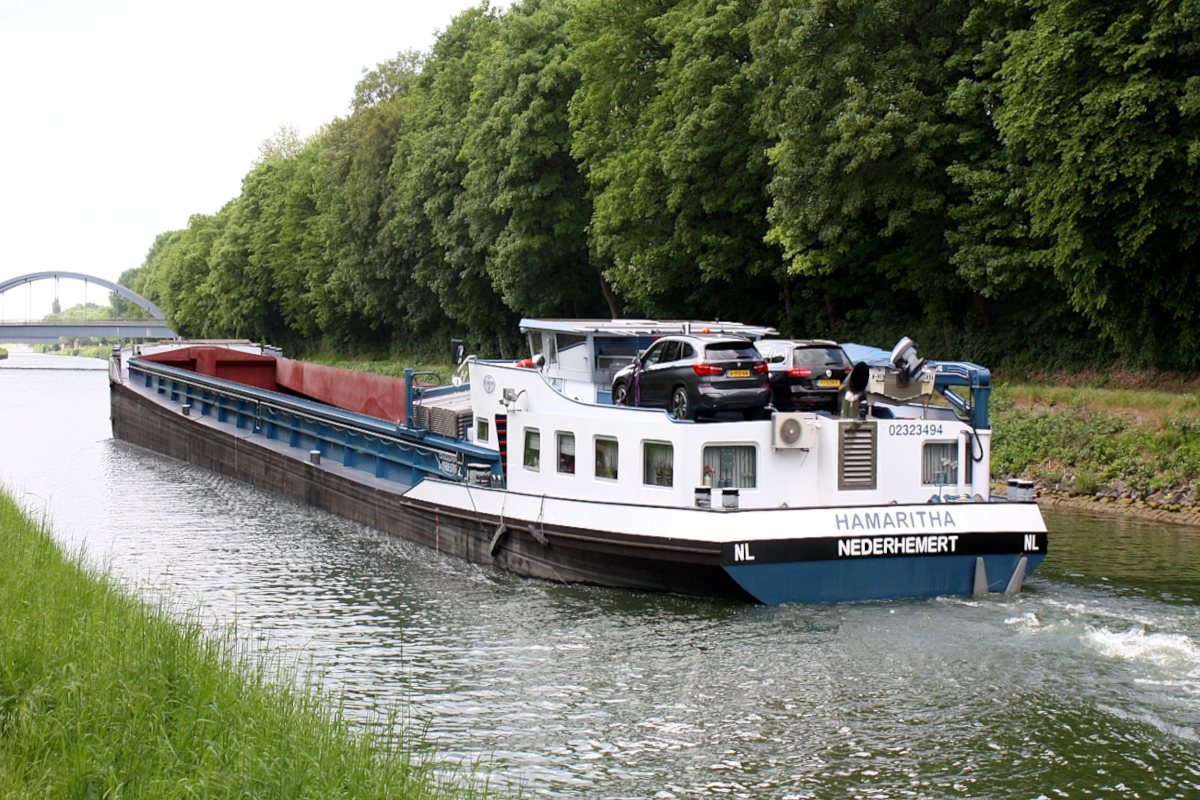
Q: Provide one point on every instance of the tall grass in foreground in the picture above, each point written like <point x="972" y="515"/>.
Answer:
<point x="102" y="696"/>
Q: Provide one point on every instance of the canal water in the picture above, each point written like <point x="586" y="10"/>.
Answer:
<point x="1087" y="684"/>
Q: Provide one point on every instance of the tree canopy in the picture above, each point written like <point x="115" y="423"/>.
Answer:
<point x="984" y="177"/>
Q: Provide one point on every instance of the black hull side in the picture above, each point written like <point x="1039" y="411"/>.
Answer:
<point x="571" y="555"/>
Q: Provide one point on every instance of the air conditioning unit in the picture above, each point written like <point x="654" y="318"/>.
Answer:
<point x="797" y="431"/>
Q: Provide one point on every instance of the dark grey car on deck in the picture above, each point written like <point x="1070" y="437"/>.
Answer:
<point x="696" y="375"/>
<point x="805" y="374"/>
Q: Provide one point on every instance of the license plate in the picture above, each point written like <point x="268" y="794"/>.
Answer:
<point x="739" y="373"/>
<point x="831" y="383"/>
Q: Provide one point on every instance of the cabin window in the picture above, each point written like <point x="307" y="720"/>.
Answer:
<point x="566" y="453"/>
<point x="939" y="464"/>
<point x="658" y="464"/>
<point x="730" y="466"/>
<point x="533" y="449"/>
<point x="606" y="458"/>
<point x="481" y="429"/>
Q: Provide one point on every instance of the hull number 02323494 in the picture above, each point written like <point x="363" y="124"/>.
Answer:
<point x="915" y="429"/>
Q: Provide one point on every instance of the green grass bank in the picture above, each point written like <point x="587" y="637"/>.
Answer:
<point x="102" y="351"/>
<point x="103" y="696"/>
<point x="1125" y="445"/>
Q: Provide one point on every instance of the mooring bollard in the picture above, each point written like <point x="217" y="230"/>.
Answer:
<point x="314" y="456"/>
<point x="703" y="497"/>
<point x="729" y="499"/>
<point x="187" y="409"/>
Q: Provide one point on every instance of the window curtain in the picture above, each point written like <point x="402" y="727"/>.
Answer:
<point x="730" y="467"/>
<point x="533" y="449"/>
<point x="659" y="464"/>
<point x="939" y="463"/>
<point x="606" y="458"/>
<point x="566" y="453"/>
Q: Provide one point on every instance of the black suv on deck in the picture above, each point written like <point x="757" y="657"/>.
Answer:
<point x="806" y="374"/>
<point x="696" y="375"/>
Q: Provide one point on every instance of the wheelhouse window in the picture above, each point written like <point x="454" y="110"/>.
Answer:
<point x="566" y="453"/>
<point x="939" y="464"/>
<point x="565" y="341"/>
<point x="606" y="458"/>
<point x="481" y="429"/>
<point x="730" y="466"/>
<point x="533" y="449"/>
<point x="658" y="464"/>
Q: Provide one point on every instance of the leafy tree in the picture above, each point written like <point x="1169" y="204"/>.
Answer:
<point x="178" y="266"/>
<point x="663" y="129"/>
<point x="856" y="102"/>
<point x="288" y="246"/>
<point x="80" y="312"/>
<point x="428" y="223"/>
<point x="240" y="292"/>
<point x="122" y="307"/>
<point x="524" y="200"/>
<point x="992" y="245"/>
<point x="1102" y="102"/>
<point x="371" y="285"/>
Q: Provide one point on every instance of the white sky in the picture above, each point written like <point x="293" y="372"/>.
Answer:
<point x="119" y="119"/>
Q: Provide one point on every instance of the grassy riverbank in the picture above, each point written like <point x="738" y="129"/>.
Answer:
<point x="102" y="696"/>
<point x="102" y="351"/>
<point x="1125" y="444"/>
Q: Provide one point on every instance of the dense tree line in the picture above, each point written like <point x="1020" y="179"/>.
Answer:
<point x="1000" y="179"/>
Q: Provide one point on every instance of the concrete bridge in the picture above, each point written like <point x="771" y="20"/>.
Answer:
<point x="152" y="326"/>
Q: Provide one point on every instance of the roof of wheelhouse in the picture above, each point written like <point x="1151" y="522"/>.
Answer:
<point x="645" y="327"/>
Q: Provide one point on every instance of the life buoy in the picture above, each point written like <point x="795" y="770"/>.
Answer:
<point x="532" y="363"/>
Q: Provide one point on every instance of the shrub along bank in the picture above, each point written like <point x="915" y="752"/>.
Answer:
<point x="103" y="696"/>
<point x="1136" y="447"/>
<point x="103" y="351"/>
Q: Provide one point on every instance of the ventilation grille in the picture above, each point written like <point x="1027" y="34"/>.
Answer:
<point x="856" y="446"/>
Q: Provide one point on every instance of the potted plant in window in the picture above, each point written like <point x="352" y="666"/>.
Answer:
<point x="664" y="475"/>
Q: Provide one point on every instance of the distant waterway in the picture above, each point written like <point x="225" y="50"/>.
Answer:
<point x="1087" y="684"/>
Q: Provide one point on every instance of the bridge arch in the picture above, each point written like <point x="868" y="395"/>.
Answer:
<point x="128" y="294"/>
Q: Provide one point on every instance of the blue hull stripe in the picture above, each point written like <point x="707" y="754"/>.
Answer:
<point x="874" y="578"/>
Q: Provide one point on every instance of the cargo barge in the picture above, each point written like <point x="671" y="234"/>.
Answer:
<point x="528" y="466"/>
